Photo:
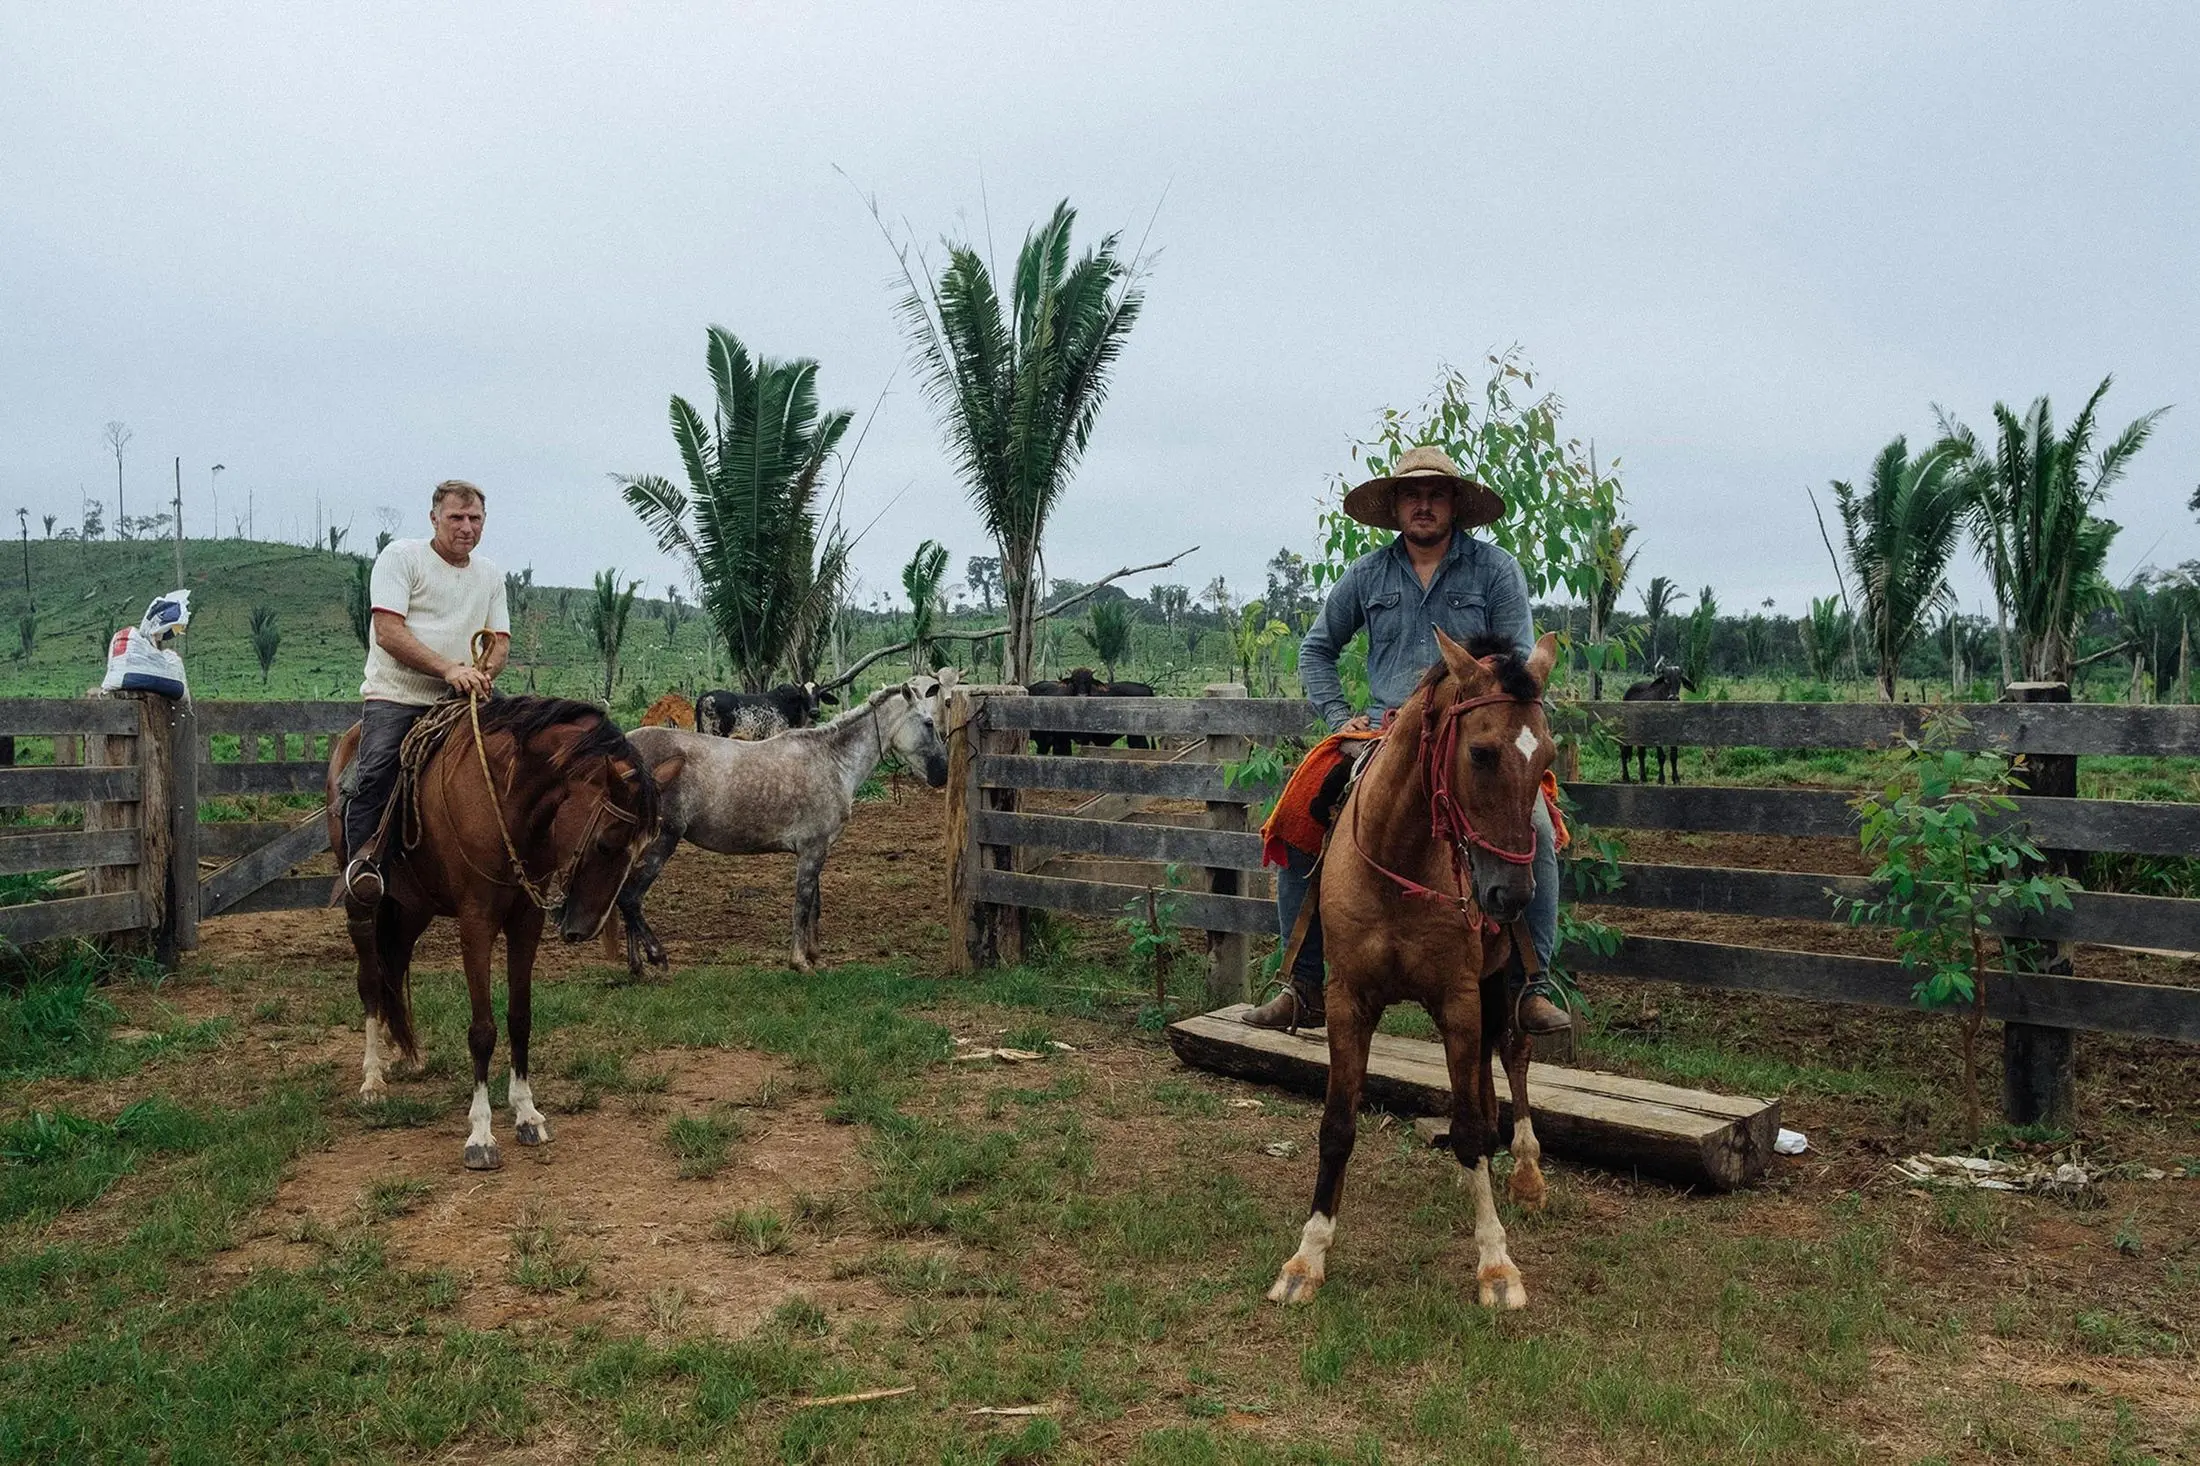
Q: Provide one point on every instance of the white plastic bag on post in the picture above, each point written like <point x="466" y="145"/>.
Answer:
<point x="139" y="659"/>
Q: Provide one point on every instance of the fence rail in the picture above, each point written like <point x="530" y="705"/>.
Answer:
<point x="2077" y="729"/>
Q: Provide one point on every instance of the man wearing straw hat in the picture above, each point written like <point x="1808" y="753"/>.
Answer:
<point x="1435" y="574"/>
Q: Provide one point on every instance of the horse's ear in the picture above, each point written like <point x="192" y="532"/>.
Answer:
<point x="664" y="773"/>
<point x="1543" y="658"/>
<point x="1466" y="669"/>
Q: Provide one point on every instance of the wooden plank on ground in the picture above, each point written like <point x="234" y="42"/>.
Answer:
<point x="2144" y="731"/>
<point x="1683" y="1135"/>
<point x="67" y="850"/>
<point x="1195" y="910"/>
<point x="1163" y="843"/>
<point x="2143" y="1010"/>
<point x="34" y="715"/>
<point x="74" y="916"/>
<point x="2128" y="826"/>
<point x="2161" y="923"/>
<point x="292" y="893"/>
<point x="234" y="881"/>
<point x="70" y="786"/>
<point x="1160" y="717"/>
<point x="292" y="777"/>
<point x="1202" y="781"/>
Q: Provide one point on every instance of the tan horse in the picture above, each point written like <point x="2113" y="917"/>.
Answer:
<point x="544" y="815"/>
<point x="1437" y="834"/>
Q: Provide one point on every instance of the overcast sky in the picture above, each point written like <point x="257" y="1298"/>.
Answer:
<point x="1748" y="244"/>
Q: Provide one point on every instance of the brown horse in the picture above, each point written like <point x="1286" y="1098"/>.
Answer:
<point x="1428" y="871"/>
<point x="540" y="810"/>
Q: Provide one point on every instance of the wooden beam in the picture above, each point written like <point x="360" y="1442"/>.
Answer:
<point x="1229" y="971"/>
<point x="2163" y="923"/>
<point x="2154" y="731"/>
<point x="292" y="777"/>
<point x="1156" y="716"/>
<point x="2120" y="825"/>
<point x="277" y="717"/>
<point x="36" y="715"/>
<point x="1195" y="910"/>
<point x="67" y="850"/>
<point x="74" y="916"/>
<point x="292" y="893"/>
<point x="233" y="882"/>
<point x="225" y="840"/>
<point x="1201" y="781"/>
<point x="1625" y="1125"/>
<point x="181" y="930"/>
<point x="1164" y="843"/>
<point x="2143" y="1010"/>
<point x="70" y="786"/>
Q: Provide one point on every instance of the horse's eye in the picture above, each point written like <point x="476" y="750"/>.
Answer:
<point x="1484" y="757"/>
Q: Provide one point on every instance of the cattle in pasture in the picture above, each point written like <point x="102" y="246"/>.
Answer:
<point x="789" y="793"/>
<point x="1664" y="685"/>
<point x="670" y="711"/>
<point x="754" y="715"/>
<point x="1081" y="682"/>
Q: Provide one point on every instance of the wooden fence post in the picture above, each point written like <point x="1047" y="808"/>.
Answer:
<point x="1229" y="978"/>
<point x="120" y="750"/>
<point x="2039" y="1065"/>
<point x="980" y="933"/>
<point x="157" y="752"/>
<point x="182" y="928"/>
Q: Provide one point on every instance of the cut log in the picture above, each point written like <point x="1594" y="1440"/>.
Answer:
<point x="1629" y="1125"/>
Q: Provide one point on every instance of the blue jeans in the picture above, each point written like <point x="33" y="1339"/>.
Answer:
<point x="1291" y="887"/>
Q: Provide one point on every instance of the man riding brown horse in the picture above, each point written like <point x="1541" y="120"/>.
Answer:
<point x="430" y="597"/>
<point x="1434" y="576"/>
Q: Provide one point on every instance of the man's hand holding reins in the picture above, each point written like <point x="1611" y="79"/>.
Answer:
<point x="468" y="680"/>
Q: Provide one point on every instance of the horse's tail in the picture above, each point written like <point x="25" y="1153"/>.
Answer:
<point x="393" y="964"/>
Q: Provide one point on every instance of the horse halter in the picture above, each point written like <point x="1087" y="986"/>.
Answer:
<point x="1448" y="818"/>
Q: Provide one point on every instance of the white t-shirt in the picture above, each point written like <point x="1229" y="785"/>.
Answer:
<point x="443" y="605"/>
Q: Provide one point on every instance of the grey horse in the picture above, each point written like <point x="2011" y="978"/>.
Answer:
<point x="793" y="792"/>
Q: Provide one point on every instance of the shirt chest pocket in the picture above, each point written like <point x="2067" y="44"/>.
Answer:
<point x="1466" y="615"/>
<point x="1382" y="615"/>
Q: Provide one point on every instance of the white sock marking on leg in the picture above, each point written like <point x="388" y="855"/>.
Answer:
<point x="523" y="1106"/>
<point x="1526" y="1148"/>
<point x="1489" y="1233"/>
<point x="479" y="1114"/>
<point x="373" y="1063"/>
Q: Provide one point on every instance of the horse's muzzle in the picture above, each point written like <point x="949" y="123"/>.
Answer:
<point x="1505" y="901"/>
<point x="935" y="770"/>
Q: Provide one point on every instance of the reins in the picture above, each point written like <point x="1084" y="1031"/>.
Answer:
<point x="420" y="745"/>
<point x="1448" y="818"/>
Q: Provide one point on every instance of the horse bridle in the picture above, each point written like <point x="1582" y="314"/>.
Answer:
<point x="1448" y="818"/>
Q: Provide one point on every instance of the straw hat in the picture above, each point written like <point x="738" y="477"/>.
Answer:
<point x="1476" y="504"/>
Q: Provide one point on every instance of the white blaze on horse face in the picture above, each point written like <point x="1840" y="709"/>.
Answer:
<point x="1527" y="743"/>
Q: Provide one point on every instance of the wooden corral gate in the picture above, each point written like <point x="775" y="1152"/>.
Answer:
<point x="990" y="768"/>
<point x="152" y="865"/>
<point x="992" y="839"/>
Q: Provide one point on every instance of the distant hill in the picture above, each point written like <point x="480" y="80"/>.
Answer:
<point x="84" y="591"/>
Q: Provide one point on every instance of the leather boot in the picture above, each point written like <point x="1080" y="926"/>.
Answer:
<point x="1538" y="1014"/>
<point x="1288" y="1009"/>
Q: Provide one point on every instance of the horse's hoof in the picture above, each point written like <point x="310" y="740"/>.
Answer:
<point x="1297" y="1283"/>
<point x="532" y="1132"/>
<point x="373" y="1091"/>
<point x="1527" y="1188"/>
<point x="1501" y="1288"/>
<point x="484" y="1157"/>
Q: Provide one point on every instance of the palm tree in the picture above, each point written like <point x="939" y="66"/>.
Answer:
<point x="1696" y="652"/>
<point x="608" y="610"/>
<point x="747" y="522"/>
<point x="2031" y="506"/>
<point x="1824" y="634"/>
<point x="1900" y="532"/>
<point x="1109" y="635"/>
<point x="266" y="638"/>
<point x="1018" y="392"/>
<point x="922" y="579"/>
<point x="1660" y="599"/>
<point x="1613" y="562"/>
<point x="1756" y="641"/>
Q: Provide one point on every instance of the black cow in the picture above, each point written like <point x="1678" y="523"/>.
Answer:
<point x="1663" y="686"/>
<point x="754" y="715"/>
<point x="1082" y="683"/>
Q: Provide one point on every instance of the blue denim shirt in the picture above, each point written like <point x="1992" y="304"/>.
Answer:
<point x="1478" y="590"/>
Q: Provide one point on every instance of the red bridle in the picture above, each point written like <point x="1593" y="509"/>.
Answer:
<point x="1448" y="819"/>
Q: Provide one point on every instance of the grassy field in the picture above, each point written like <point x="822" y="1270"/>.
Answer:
<point x="1089" y="1234"/>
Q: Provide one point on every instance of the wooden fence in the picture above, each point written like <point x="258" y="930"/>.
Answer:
<point x="2040" y="1010"/>
<point x="153" y="864"/>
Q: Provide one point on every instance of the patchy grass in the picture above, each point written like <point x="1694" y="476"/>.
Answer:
<point x="703" y="1143"/>
<point x="544" y="1257"/>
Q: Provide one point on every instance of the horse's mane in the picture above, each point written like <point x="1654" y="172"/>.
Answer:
<point x="859" y="710"/>
<point x="1510" y="669"/>
<point x="524" y="716"/>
